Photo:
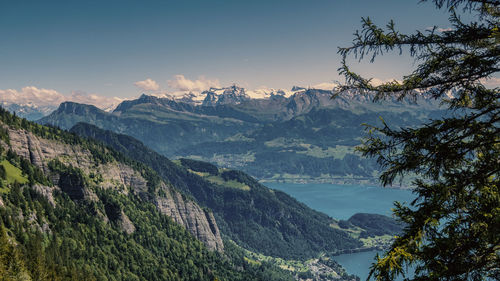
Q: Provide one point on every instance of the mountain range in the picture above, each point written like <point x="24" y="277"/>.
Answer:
<point x="300" y="135"/>
<point x="33" y="103"/>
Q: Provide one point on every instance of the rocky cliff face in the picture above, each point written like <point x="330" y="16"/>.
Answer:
<point x="200" y="222"/>
<point x="40" y="152"/>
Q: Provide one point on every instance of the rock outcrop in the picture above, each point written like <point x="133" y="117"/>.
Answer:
<point x="45" y="191"/>
<point x="199" y="222"/>
<point x="40" y="152"/>
<point x="125" y="223"/>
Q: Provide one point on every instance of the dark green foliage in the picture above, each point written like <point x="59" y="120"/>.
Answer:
<point x="265" y="271"/>
<point x="453" y="226"/>
<point x="4" y="136"/>
<point x="271" y="222"/>
<point x="82" y="243"/>
<point x="262" y="220"/>
<point x="344" y="224"/>
<point x="200" y="166"/>
<point x="3" y="173"/>
<point x="12" y="264"/>
<point x="376" y="225"/>
<point x="72" y="241"/>
<point x="71" y="180"/>
<point x="238" y="176"/>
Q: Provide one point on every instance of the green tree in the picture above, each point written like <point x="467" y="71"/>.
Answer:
<point x="3" y="173"/>
<point x="453" y="226"/>
<point x="4" y="248"/>
<point x="11" y="262"/>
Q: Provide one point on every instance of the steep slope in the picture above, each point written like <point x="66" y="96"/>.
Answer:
<point x="80" y="210"/>
<point x="40" y="152"/>
<point x="376" y="225"/>
<point x="74" y="209"/>
<point x="70" y="113"/>
<point x="258" y="218"/>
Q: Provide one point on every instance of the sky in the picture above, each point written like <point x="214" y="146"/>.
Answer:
<point x="123" y="48"/>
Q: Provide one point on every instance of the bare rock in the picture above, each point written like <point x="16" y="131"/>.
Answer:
<point x="45" y="191"/>
<point x="199" y="222"/>
<point x="120" y="175"/>
<point x="125" y="224"/>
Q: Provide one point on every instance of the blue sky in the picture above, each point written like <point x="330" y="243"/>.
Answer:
<point x="104" y="47"/>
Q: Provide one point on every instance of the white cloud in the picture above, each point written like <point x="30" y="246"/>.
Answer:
<point x="31" y="96"/>
<point x="445" y="29"/>
<point x="260" y="93"/>
<point x="147" y="85"/>
<point x="181" y="83"/>
<point x="492" y="82"/>
<point x="40" y="97"/>
<point x="325" y="86"/>
<point x="106" y="103"/>
<point x="439" y="29"/>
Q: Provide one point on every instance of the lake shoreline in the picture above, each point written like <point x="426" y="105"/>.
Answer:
<point x="357" y="250"/>
<point x="335" y="181"/>
<point x="341" y="201"/>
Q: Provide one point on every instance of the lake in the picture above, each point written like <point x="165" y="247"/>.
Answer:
<point x="343" y="201"/>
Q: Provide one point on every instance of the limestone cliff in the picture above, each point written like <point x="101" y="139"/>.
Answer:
<point x="40" y="151"/>
<point x="186" y="212"/>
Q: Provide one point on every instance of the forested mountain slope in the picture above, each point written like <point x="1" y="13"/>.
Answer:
<point x="73" y="209"/>
<point x="256" y="217"/>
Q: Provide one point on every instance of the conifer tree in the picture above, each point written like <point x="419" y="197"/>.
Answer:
<point x="4" y="248"/>
<point x="453" y="226"/>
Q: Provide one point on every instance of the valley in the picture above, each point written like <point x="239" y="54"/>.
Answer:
<point x="307" y="136"/>
<point x="99" y="187"/>
<point x="265" y="140"/>
<point x="224" y="148"/>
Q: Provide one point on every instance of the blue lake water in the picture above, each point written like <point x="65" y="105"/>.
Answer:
<point x="343" y="201"/>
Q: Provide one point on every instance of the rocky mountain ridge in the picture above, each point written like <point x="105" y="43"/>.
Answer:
<point x="232" y="95"/>
<point x="40" y="152"/>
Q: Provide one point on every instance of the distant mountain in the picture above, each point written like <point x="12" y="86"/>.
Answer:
<point x="157" y="124"/>
<point x="301" y="135"/>
<point x="231" y="95"/>
<point x="33" y="103"/>
<point x="29" y="111"/>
